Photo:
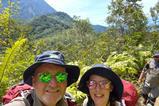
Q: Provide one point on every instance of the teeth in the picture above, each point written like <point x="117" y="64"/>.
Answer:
<point x="98" y="95"/>
<point x="51" y="91"/>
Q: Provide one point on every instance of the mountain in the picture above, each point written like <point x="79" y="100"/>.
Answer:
<point x="56" y="22"/>
<point x="30" y="8"/>
<point x="44" y="18"/>
<point x="99" y="28"/>
<point x="49" y="24"/>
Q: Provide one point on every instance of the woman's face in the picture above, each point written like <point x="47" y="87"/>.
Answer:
<point x="99" y="89"/>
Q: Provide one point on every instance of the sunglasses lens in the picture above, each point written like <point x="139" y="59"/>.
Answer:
<point x="45" y="77"/>
<point x="61" y="77"/>
<point x="91" y="84"/>
<point x="104" y="83"/>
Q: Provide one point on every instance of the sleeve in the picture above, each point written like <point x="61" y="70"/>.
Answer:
<point x="122" y="103"/>
<point x="16" y="102"/>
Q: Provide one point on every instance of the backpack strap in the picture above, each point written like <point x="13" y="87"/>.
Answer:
<point x="71" y="103"/>
<point x="70" y="99"/>
<point x="30" y="100"/>
<point x="27" y="97"/>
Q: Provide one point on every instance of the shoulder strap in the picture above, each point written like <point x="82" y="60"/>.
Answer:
<point x="71" y="103"/>
<point x="147" y="65"/>
<point x="27" y="97"/>
<point x="30" y="99"/>
<point x="70" y="99"/>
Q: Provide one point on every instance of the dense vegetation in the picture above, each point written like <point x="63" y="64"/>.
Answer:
<point x="49" y="24"/>
<point x="126" y="45"/>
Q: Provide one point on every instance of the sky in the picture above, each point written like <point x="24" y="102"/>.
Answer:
<point x="94" y="10"/>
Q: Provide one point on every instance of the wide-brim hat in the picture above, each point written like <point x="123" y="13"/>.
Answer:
<point x="106" y="72"/>
<point x="52" y="57"/>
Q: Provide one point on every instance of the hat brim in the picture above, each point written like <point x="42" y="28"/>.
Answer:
<point x="106" y="73"/>
<point x="156" y="56"/>
<point x="72" y="70"/>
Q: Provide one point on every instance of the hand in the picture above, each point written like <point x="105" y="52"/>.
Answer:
<point x="139" y="81"/>
<point x="157" y="101"/>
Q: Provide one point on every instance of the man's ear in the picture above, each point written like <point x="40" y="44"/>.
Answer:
<point x="33" y="80"/>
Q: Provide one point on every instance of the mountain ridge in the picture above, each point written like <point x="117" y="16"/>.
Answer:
<point x="30" y="8"/>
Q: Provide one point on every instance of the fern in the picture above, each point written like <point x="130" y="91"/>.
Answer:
<point x="123" y="64"/>
<point x="10" y="56"/>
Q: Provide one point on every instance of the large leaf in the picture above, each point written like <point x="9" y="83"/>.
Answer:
<point x="9" y="56"/>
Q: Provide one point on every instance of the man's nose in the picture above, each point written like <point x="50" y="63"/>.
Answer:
<point x="53" y="82"/>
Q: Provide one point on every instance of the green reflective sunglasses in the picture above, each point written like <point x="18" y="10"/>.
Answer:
<point x="46" y="77"/>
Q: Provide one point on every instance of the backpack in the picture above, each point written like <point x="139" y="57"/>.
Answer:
<point x="130" y="94"/>
<point x="15" y="91"/>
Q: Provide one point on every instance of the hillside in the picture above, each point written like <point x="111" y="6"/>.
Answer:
<point x="49" y="24"/>
<point x="28" y="9"/>
<point x="99" y="28"/>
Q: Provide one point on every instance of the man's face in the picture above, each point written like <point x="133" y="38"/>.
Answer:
<point x="156" y="58"/>
<point x="50" y="92"/>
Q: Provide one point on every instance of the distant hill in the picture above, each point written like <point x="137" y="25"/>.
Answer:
<point x="31" y="8"/>
<point x="99" y="28"/>
<point x="51" y="23"/>
<point x="55" y="22"/>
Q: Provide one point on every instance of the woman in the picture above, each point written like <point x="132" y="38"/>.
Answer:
<point x="102" y="86"/>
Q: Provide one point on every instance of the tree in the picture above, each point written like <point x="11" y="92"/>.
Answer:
<point x="83" y="27"/>
<point x="155" y="16"/>
<point x="10" y="29"/>
<point x="8" y="64"/>
<point x="126" y="16"/>
<point x="4" y="26"/>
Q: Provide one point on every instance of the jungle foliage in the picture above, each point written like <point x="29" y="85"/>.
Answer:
<point x="125" y="47"/>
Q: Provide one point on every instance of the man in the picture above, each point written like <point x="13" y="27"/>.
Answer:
<point x="50" y="77"/>
<point x="150" y="73"/>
